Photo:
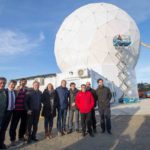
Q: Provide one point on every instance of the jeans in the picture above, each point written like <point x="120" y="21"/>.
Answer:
<point x="86" y="122"/>
<point x="32" y="124"/>
<point x="71" y="116"/>
<point x="61" y="119"/>
<point x="48" y="122"/>
<point x="105" y="120"/>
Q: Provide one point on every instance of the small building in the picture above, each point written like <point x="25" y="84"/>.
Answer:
<point x="44" y="79"/>
<point x="80" y="76"/>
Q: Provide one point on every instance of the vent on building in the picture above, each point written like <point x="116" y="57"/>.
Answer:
<point x="83" y="73"/>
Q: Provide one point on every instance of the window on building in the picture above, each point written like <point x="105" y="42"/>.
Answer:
<point x="42" y="81"/>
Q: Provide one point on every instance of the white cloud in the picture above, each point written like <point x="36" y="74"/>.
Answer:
<point x="14" y="42"/>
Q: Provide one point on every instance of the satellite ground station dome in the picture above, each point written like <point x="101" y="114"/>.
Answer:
<point x="86" y="40"/>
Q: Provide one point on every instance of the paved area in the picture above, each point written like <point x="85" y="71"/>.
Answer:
<point x="140" y="108"/>
<point x="130" y="132"/>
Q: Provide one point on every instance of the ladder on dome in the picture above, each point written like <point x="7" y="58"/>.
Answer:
<point x="123" y="55"/>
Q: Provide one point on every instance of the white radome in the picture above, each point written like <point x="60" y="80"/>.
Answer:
<point x="85" y="40"/>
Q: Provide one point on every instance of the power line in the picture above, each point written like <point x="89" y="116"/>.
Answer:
<point x="145" y="45"/>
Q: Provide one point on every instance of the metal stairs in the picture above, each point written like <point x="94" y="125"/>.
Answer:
<point x="124" y="56"/>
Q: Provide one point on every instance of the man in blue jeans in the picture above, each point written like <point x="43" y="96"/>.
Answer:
<point x="63" y="95"/>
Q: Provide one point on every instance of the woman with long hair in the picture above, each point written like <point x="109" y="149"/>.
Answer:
<point x="50" y="103"/>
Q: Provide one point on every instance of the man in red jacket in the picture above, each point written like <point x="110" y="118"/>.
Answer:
<point x="85" y="103"/>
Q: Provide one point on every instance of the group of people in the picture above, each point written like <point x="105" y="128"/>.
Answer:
<point x="25" y="105"/>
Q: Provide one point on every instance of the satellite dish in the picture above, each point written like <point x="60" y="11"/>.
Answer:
<point x="86" y="40"/>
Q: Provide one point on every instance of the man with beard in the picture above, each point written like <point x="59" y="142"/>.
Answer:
<point x="19" y="113"/>
<point x="104" y="96"/>
<point x="73" y="111"/>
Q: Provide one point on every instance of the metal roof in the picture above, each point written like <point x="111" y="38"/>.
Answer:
<point x="37" y="76"/>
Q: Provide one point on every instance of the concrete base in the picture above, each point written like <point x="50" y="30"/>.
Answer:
<point x="140" y="108"/>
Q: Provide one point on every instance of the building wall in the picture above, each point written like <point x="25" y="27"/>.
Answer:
<point x="43" y="84"/>
<point x="88" y="76"/>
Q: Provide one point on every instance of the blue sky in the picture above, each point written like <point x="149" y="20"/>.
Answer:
<point x="28" y="29"/>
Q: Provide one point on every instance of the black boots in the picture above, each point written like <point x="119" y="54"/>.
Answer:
<point x="3" y="146"/>
<point x="70" y="131"/>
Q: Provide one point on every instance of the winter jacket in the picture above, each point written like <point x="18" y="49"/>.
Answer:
<point x="63" y="95"/>
<point x="94" y="95"/>
<point x="84" y="101"/>
<point x="104" y="96"/>
<point x="3" y="104"/>
<point x="50" y="103"/>
<point x="33" y="100"/>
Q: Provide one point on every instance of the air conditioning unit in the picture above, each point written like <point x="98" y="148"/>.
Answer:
<point x="83" y="73"/>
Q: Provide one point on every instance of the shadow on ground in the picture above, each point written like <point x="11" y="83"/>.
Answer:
<point x="129" y="133"/>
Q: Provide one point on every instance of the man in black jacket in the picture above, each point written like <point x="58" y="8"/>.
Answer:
<point x="10" y="105"/>
<point x="33" y="107"/>
<point x="104" y="96"/>
<point x="93" y="117"/>
<point x="2" y="97"/>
